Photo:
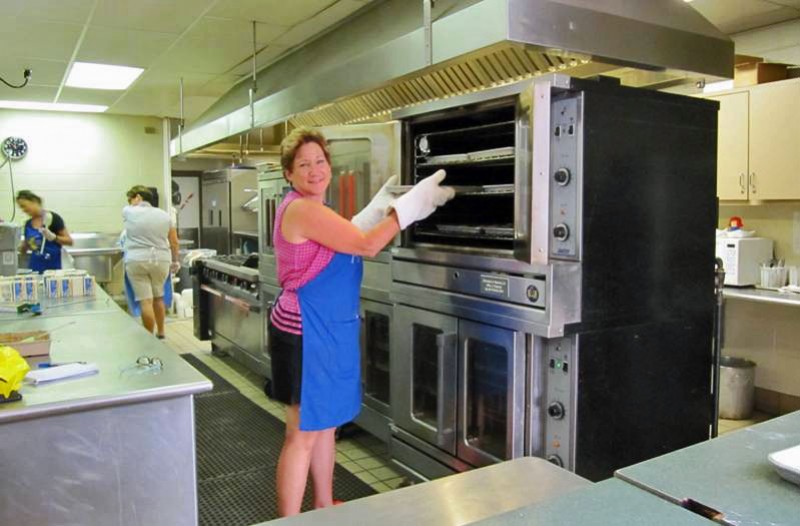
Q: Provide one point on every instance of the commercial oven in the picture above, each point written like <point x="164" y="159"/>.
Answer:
<point x="228" y="308"/>
<point x="561" y="305"/>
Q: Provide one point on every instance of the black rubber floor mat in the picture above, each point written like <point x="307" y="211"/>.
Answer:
<point x="238" y="444"/>
<point x="221" y="385"/>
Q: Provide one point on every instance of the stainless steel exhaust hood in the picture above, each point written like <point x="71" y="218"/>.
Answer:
<point x="376" y="62"/>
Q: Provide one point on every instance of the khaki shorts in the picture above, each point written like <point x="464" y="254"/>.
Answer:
<point x="147" y="279"/>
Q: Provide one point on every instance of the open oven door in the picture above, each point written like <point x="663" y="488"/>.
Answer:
<point x="363" y="157"/>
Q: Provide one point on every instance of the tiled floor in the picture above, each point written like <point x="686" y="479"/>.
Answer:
<point x="365" y="456"/>
<point x="726" y="426"/>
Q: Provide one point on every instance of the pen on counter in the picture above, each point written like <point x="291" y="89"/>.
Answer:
<point x="47" y="365"/>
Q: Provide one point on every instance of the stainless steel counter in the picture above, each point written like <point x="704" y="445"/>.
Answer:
<point x="730" y="474"/>
<point x="454" y="500"/>
<point x="763" y="296"/>
<point x="113" y="448"/>
<point x="611" y="502"/>
<point x="61" y="307"/>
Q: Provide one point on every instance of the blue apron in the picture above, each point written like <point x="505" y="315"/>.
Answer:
<point x="330" y="393"/>
<point x="41" y="260"/>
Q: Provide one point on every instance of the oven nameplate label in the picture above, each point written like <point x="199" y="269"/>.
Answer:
<point x="494" y="285"/>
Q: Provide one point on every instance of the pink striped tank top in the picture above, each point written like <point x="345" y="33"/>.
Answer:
<point x="298" y="263"/>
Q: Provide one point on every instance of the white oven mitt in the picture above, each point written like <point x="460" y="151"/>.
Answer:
<point x="376" y="210"/>
<point x="422" y="200"/>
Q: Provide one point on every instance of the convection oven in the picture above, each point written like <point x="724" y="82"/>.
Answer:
<point x="537" y="311"/>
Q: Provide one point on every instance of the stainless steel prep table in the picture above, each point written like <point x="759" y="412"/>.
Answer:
<point x="762" y="296"/>
<point x="608" y="502"/>
<point x="731" y="474"/>
<point x="101" y="302"/>
<point x="114" y="448"/>
<point x="458" y="499"/>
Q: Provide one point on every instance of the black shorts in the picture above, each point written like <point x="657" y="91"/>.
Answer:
<point x="286" y="351"/>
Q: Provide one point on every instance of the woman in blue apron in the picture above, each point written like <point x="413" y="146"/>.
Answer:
<point x="45" y="233"/>
<point x="314" y="325"/>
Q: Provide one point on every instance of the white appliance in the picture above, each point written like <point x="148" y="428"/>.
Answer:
<point x="742" y="258"/>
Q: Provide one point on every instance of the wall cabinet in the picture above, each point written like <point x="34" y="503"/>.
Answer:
<point x="759" y="143"/>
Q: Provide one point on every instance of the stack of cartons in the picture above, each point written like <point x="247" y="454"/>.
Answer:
<point x="68" y="284"/>
<point x="19" y="289"/>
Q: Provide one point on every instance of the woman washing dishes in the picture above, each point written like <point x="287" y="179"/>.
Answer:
<point x="314" y="327"/>
<point x="45" y="233"/>
<point x="151" y="253"/>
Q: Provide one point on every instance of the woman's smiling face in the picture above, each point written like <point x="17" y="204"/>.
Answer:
<point x="311" y="171"/>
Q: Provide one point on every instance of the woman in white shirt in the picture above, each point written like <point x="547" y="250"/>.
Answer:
<point x="151" y="253"/>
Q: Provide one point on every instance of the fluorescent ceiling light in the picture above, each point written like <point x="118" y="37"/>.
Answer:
<point x="51" y="106"/>
<point x="101" y="76"/>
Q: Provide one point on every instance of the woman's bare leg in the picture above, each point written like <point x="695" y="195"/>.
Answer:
<point x="293" y="463"/>
<point x="323" y="459"/>
<point x="148" y="316"/>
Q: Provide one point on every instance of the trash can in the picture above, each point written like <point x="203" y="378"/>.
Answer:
<point x="737" y="388"/>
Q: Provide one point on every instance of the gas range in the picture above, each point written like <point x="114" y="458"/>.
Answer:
<point x="233" y="269"/>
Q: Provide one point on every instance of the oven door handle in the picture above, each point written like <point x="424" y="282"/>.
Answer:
<point x="444" y="342"/>
<point x="242" y="304"/>
<point x="208" y="289"/>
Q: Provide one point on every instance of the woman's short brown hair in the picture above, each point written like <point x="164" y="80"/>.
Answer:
<point x="27" y="195"/>
<point x="297" y="138"/>
<point x="142" y="191"/>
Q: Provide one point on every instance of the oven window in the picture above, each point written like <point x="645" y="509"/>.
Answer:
<point x="487" y="396"/>
<point x="349" y="190"/>
<point x="376" y="357"/>
<point x="425" y="366"/>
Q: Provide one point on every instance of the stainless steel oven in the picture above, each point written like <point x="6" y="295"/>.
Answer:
<point x="549" y="281"/>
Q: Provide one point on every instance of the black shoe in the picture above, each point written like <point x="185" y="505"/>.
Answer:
<point x="161" y="336"/>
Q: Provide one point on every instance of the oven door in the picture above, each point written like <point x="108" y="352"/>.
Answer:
<point x="363" y="157"/>
<point x="425" y="376"/>
<point x="491" y="408"/>
<point x="376" y="322"/>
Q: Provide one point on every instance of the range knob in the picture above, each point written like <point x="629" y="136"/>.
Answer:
<point x="562" y="176"/>
<point x="555" y="459"/>
<point x="556" y="410"/>
<point x="561" y="232"/>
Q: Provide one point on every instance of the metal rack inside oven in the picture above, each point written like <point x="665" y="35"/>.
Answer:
<point x="478" y="152"/>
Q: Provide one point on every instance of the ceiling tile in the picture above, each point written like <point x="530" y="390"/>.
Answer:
<point x="89" y="96"/>
<point x="29" y="93"/>
<point x="194" y="55"/>
<point x="263" y="59"/>
<point x="277" y="12"/>
<point x="45" y="72"/>
<point x="75" y="11"/>
<point x="733" y="16"/>
<point x="317" y="23"/>
<point x="37" y="39"/>
<point x="162" y="16"/>
<point x="214" y="28"/>
<point x="123" y="47"/>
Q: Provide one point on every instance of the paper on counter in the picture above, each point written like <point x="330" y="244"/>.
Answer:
<point x="61" y="372"/>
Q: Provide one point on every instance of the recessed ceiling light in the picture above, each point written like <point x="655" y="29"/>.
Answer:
<point x="101" y="76"/>
<point x="51" y="106"/>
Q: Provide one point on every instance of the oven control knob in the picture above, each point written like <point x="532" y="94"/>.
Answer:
<point x="561" y="232"/>
<point x="532" y="293"/>
<point x="556" y="410"/>
<point x="562" y="176"/>
<point x="555" y="459"/>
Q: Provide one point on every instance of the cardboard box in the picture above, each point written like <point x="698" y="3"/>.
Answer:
<point x="753" y="73"/>
<point x="34" y="346"/>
